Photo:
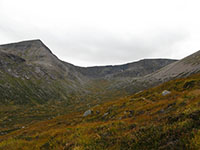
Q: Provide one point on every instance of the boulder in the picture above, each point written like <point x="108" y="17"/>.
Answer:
<point x="86" y="113"/>
<point x="165" y="92"/>
<point x="105" y="114"/>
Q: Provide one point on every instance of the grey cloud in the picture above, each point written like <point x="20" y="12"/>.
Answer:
<point x="98" y="47"/>
<point x="102" y="48"/>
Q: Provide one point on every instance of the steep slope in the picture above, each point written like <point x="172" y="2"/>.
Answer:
<point x="38" y="54"/>
<point x="25" y="78"/>
<point x="146" y="120"/>
<point x="34" y="84"/>
<point x="182" y="68"/>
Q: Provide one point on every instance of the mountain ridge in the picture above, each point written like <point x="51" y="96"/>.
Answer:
<point x="21" y="48"/>
<point x="39" y="42"/>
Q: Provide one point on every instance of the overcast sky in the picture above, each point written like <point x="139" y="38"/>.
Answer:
<point x="104" y="32"/>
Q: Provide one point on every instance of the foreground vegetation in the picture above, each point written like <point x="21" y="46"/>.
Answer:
<point x="143" y="121"/>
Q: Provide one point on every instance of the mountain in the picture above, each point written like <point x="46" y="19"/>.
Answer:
<point x="36" y="85"/>
<point x="31" y="73"/>
<point x="38" y="54"/>
<point x="34" y="74"/>
<point x="35" y="52"/>
<point x="122" y="103"/>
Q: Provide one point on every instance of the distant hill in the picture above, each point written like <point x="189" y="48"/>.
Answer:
<point x="135" y="69"/>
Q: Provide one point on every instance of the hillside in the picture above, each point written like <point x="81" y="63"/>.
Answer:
<point x="37" y="76"/>
<point x="145" y="120"/>
<point x="182" y="68"/>
<point x="36" y="86"/>
<point x="31" y="63"/>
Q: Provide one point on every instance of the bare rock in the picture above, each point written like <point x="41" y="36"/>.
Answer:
<point x="165" y="92"/>
<point x="86" y="113"/>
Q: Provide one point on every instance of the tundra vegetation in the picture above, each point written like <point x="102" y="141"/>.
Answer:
<point x="145" y="120"/>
